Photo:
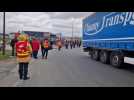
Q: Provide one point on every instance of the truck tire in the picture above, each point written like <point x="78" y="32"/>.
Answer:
<point x="91" y="54"/>
<point x="95" y="55"/>
<point x="104" y="57"/>
<point x="116" y="59"/>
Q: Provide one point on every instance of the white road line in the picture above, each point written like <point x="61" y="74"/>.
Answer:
<point x="18" y="83"/>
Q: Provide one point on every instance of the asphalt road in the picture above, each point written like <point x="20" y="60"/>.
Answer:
<point x="71" y="68"/>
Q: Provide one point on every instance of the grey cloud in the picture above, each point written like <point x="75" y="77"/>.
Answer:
<point x="67" y="15"/>
<point x="62" y="25"/>
<point x="44" y="21"/>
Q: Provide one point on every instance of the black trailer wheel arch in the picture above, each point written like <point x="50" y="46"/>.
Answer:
<point x="104" y="57"/>
<point x="117" y="59"/>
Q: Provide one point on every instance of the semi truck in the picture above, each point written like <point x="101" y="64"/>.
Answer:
<point x="109" y="37"/>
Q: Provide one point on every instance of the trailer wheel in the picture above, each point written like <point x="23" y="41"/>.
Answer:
<point x="104" y="57"/>
<point x="95" y="55"/>
<point x="116" y="59"/>
<point x="91" y="54"/>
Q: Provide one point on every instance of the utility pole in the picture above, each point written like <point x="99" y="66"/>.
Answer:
<point x="72" y="27"/>
<point x="4" y="42"/>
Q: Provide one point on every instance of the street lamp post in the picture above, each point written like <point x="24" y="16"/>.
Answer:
<point x="4" y="44"/>
<point x="72" y="27"/>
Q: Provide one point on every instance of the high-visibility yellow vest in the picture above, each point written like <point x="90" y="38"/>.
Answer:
<point x="22" y="49"/>
<point x="46" y="44"/>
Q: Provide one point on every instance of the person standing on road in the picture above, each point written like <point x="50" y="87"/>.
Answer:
<point x="76" y="43"/>
<point x="23" y="50"/>
<point x="12" y="44"/>
<point x="59" y="44"/>
<point x="66" y="44"/>
<point x="79" y="43"/>
<point x="71" y="44"/>
<point x="42" y="47"/>
<point x="35" y="47"/>
<point x="46" y="46"/>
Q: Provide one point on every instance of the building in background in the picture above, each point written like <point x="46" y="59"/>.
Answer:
<point x="53" y="38"/>
<point x="36" y="34"/>
<point x="39" y="35"/>
<point x="42" y="35"/>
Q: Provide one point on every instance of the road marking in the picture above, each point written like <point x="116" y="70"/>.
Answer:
<point x="18" y="83"/>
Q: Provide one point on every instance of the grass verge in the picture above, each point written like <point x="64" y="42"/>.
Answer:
<point x="6" y="56"/>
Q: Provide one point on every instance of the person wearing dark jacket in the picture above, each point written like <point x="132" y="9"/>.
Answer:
<point x="71" y="44"/>
<point x="42" y="48"/>
<point x="66" y="44"/>
<point x="12" y="44"/>
<point x="79" y="43"/>
<point x="46" y="46"/>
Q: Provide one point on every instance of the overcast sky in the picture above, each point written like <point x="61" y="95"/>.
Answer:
<point x="54" y="22"/>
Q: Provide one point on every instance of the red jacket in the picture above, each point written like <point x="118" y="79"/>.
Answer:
<point x="35" y="45"/>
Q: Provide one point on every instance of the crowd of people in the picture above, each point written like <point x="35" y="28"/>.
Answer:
<point x="72" y="43"/>
<point x="24" y="48"/>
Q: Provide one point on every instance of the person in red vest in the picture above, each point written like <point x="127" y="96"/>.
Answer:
<point x="46" y="45"/>
<point x="23" y="50"/>
<point x="59" y="44"/>
<point x="35" y="47"/>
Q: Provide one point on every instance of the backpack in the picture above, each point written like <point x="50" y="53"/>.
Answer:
<point x="22" y="49"/>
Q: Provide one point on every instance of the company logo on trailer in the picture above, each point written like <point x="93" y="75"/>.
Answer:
<point x="112" y="19"/>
